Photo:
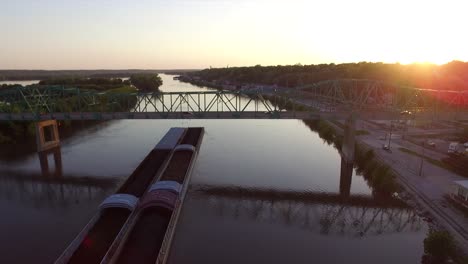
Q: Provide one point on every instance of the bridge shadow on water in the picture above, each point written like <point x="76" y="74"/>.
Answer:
<point x="322" y="213"/>
<point x="326" y="213"/>
<point x="51" y="187"/>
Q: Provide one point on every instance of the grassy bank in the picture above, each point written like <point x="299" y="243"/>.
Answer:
<point x="379" y="176"/>
<point x="382" y="179"/>
<point x="286" y="103"/>
<point x="359" y="132"/>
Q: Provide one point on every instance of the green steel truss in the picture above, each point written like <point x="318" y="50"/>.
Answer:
<point x="328" y="99"/>
<point x="361" y="94"/>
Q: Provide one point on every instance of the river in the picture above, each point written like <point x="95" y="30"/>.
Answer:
<point x="262" y="191"/>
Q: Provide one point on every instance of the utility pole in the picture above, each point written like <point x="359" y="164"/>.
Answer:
<point x="422" y="160"/>
<point x="390" y="137"/>
<point x="405" y="128"/>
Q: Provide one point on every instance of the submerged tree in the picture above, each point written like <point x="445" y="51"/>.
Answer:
<point x="146" y="82"/>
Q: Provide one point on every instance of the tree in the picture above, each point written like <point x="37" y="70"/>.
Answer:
<point x="439" y="245"/>
<point x="146" y="82"/>
<point x="449" y="76"/>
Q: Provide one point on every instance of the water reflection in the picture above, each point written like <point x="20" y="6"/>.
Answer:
<point x="325" y="213"/>
<point x="319" y="213"/>
<point x="51" y="188"/>
<point x="242" y="224"/>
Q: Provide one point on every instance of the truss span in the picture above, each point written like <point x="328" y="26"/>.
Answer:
<point x="326" y="100"/>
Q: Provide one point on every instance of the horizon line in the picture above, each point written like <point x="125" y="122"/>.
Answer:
<point x="99" y="69"/>
<point x="196" y="69"/>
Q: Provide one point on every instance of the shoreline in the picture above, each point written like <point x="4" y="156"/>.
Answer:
<point x="416" y="198"/>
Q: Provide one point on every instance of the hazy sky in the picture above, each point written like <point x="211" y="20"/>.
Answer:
<point x="116" y="34"/>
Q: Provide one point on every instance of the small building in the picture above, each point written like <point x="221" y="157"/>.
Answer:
<point x="460" y="192"/>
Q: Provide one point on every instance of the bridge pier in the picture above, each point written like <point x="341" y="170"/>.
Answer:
<point x="47" y="135"/>
<point x="347" y="159"/>
<point x="349" y="140"/>
<point x="346" y="174"/>
<point x="44" y="161"/>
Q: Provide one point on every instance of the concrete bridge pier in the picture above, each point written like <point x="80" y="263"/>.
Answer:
<point x="349" y="141"/>
<point x="47" y="135"/>
<point x="346" y="174"/>
<point x="347" y="156"/>
<point x="44" y="161"/>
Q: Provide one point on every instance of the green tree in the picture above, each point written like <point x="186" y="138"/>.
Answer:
<point x="146" y="82"/>
<point x="439" y="245"/>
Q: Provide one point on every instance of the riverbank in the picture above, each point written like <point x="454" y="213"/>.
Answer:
<point x="426" y="194"/>
<point x="378" y="175"/>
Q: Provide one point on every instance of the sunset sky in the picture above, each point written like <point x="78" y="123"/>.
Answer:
<point x="117" y="34"/>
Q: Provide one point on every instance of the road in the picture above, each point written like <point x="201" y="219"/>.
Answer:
<point x="427" y="185"/>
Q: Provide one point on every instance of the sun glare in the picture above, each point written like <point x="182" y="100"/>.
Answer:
<point x="398" y="31"/>
<point x="238" y="33"/>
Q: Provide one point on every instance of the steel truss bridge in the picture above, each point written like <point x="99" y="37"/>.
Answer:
<point x="319" y="213"/>
<point x="333" y="99"/>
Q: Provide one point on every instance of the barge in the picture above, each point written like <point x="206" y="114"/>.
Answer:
<point x="107" y="226"/>
<point x="150" y="232"/>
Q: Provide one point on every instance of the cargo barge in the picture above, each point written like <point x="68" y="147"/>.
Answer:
<point x="107" y="226"/>
<point x="149" y="236"/>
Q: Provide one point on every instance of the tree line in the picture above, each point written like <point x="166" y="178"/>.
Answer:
<point x="141" y="81"/>
<point x="15" y="75"/>
<point x="98" y="84"/>
<point x="450" y="76"/>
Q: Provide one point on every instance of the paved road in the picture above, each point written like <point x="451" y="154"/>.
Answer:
<point x="428" y="188"/>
